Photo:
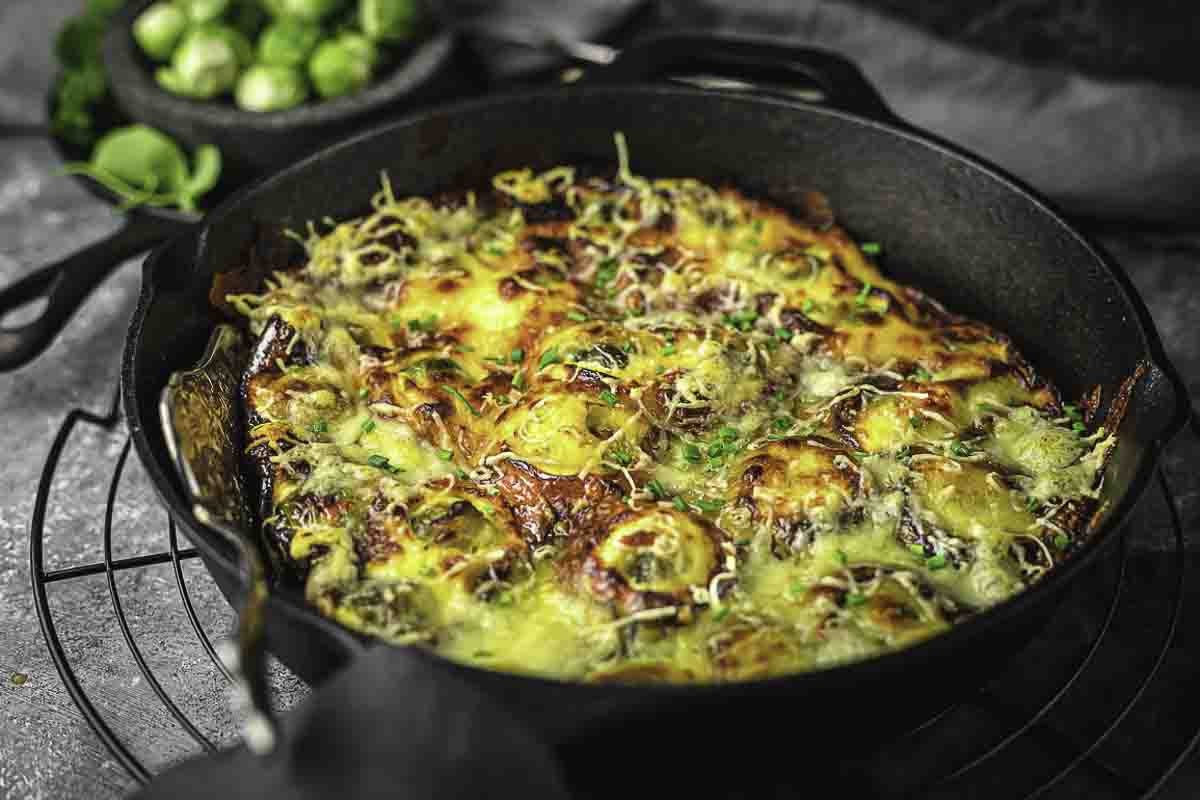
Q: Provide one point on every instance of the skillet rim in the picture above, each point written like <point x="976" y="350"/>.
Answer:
<point x="1022" y="603"/>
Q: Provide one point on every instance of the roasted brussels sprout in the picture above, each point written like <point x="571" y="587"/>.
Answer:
<point x="159" y="28"/>
<point x="287" y="43"/>
<point x="266" y="87"/>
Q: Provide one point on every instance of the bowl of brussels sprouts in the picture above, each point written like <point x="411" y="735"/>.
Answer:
<point x="267" y="81"/>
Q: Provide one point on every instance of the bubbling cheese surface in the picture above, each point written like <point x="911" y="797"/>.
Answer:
<point x="622" y="429"/>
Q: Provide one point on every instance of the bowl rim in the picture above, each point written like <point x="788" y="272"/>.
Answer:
<point x="133" y="86"/>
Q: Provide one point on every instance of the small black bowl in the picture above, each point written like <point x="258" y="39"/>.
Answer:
<point x="251" y="142"/>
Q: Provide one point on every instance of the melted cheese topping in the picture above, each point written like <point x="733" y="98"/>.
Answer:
<point x="621" y="429"/>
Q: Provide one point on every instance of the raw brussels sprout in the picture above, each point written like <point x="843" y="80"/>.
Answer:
<point x="388" y="20"/>
<point x="287" y="43"/>
<point x="203" y="66"/>
<point x="159" y="28"/>
<point x="303" y="10"/>
<point x="201" y="11"/>
<point x="341" y="67"/>
<point x="361" y="47"/>
<point x="240" y="44"/>
<point x="266" y="87"/>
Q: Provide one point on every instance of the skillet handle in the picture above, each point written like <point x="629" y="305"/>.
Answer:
<point x="752" y="65"/>
<point x="66" y="283"/>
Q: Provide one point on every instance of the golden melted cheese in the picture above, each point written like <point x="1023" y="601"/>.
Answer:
<point x="617" y="429"/>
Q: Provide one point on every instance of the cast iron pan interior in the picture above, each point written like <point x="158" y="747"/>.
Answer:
<point x="968" y="234"/>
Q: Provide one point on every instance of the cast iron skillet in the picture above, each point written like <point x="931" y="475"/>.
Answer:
<point x="969" y="234"/>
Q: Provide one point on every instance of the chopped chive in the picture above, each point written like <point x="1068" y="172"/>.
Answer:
<point x="1061" y="541"/>
<point x="798" y="587"/>
<point x="606" y="272"/>
<point x="549" y="357"/>
<point x="783" y="334"/>
<point x="728" y="434"/>
<point x="916" y="420"/>
<point x="721" y="614"/>
<point x="680" y="505"/>
<point x="692" y="453"/>
<point x="657" y="490"/>
<point x="855" y="599"/>
<point x="622" y="458"/>
<point x="921" y="374"/>
<point x="782" y="423"/>
<point x="517" y="356"/>
<point x="576" y="316"/>
<point x="464" y="400"/>
<point x="781" y="396"/>
<point x="871" y="248"/>
<point x="363" y="392"/>
<point x="427" y="325"/>
<point x="959" y="449"/>
<point x="320" y="426"/>
<point x="445" y="455"/>
<point x="715" y="450"/>
<point x="368" y="426"/>
<point x="669" y="350"/>
<point x="861" y="298"/>
<point x="936" y="562"/>
<point x="609" y="398"/>
<point x="461" y="474"/>
<point x="842" y="558"/>
<point x="376" y="460"/>
<point x="1078" y="427"/>
<point x="709" y="506"/>
<point x="808" y="306"/>
<point x="1031" y="504"/>
<point x="916" y="550"/>
<point x="518" y="383"/>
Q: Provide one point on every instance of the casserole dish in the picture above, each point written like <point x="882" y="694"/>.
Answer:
<point x="963" y="231"/>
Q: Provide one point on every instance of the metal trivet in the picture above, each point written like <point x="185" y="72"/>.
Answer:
<point x="990" y="745"/>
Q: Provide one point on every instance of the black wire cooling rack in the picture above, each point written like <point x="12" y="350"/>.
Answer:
<point x="1098" y="759"/>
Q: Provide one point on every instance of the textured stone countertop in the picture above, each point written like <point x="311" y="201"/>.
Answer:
<point x="46" y="749"/>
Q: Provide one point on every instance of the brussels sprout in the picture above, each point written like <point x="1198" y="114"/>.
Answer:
<point x="388" y="20"/>
<point x="143" y="165"/>
<point x="203" y="66"/>
<point x="303" y="10"/>
<point x="361" y="47"/>
<point x="159" y="28"/>
<point x="287" y="43"/>
<point x="240" y="44"/>
<point x="201" y="11"/>
<point x="266" y="87"/>
<point x="340" y="67"/>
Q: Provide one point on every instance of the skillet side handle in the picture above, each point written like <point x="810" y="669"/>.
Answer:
<point x="1170" y="402"/>
<point x="65" y="284"/>
<point x="753" y="65"/>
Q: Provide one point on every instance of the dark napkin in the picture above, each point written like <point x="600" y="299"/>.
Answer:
<point x="391" y="725"/>
<point x="1105" y="148"/>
